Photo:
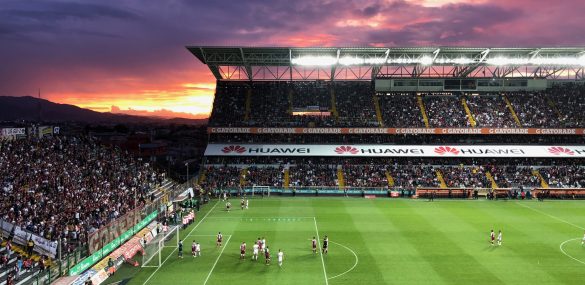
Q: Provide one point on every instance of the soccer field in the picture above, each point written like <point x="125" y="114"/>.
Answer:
<point x="383" y="241"/>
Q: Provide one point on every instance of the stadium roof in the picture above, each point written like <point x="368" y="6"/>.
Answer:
<point x="366" y="63"/>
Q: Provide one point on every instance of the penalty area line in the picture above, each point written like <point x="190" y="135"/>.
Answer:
<point x="171" y="254"/>
<point x="217" y="259"/>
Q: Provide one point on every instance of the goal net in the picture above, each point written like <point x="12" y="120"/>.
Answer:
<point x="153" y="250"/>
<point x="261" y="191"/>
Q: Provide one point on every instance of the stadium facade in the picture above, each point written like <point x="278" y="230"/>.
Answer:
<point x="396" y="118"/>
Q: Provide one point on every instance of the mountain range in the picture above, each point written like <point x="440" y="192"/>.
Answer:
<point x="32" y="109"/>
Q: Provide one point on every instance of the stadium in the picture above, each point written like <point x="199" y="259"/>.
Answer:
<point x="420" y="165"/>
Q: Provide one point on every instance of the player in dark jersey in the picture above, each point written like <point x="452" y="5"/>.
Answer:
<point x="325" y="245"/>
<point x="180" y="245"/>
<point x="243" y="250"/>
<point x="193" y="248"/>
<point x="267" y="255"/>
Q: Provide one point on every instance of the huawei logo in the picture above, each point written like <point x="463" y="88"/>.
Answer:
<point x="558" y="150"/>
<point x="234" y="148"/>
<point x="345" y="149"/>
<point x="446" y="150"/>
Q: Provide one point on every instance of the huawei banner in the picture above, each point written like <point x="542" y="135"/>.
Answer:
<point x="396" y="150"/>
<point x="396" y="131"/>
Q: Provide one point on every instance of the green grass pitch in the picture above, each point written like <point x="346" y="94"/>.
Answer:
<point x="382" y="241"/>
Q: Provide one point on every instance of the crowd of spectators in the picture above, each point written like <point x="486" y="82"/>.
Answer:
<point x="445" y="111"/>
<point x="569" y="100"/>
<point x="405" y="172"/>
<point x="400" y="110"/>
<point x="68" y="187"/>
<point x="465" y="176"/>
<point x="365" y="175"/>
<point x="490" y="111"/>
<point x="272" y="104"/>
<point x="534" y="109"/>
<point x="355" y="104"/>
<point x="564" y="176"/>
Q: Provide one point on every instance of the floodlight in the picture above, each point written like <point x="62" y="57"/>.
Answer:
<point x="310" y="60"/>
<point x="425" y="60"/>
<point x="348" y="60"/>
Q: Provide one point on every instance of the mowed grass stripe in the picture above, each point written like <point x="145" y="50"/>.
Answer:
<point x="398" y="241"/>
<point x="515" y="251"/>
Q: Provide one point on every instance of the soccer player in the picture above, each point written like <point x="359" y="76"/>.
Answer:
<point x="259" y="242"/>
<point x="314" y="244"/>
<point x="242" y="203"/>
<point x="194" y="249"/>
<point x="325" y="245"/>
<point x="267" y="256"/>
<point x="219" y="239"/>
<point x="228" y="206"/>
<point x="264" y="243"/>
<point x="500" y="238"/>
<point x="180" y="245"/>
<point x="243" y="250"/>
<point x="246" y="203"/>
<point x="280" y="257"/>
<point x="492" y="237"/>
<point x="583" y="240"/>
<point x="255" y="247"/>
<point x="197" y="249"/>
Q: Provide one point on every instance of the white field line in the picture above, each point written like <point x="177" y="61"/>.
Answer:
<point x="550" y="216"/>
<point x="171" y="254"/>
<point x="259" y="218"/>
<point x="563" y="251"/>
<point x="354" y="265"/>
<point x="217" y="259"/>
<point x="321" y="252"/>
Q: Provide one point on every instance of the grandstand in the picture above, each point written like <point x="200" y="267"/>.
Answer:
<point x="396" y="118"/>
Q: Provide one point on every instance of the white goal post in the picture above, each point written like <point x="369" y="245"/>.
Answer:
<point x="262" y="190"/>
<point x="153" y="250"/>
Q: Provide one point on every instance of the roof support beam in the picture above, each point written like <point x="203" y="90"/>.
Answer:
<point x="246" y="65"/>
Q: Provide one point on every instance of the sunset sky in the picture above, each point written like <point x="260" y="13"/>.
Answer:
<point x="131" y="54"/>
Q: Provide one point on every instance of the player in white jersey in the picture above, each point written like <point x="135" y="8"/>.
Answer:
<point x="246" y="203"/>
<point x="197" y="249"/>
<point x="263" y="243"/>
<point x="500" y="237"/>
<point x="583" y="240"/>
<point x="219" y="239"/>
<point x="255" y="251"/>
<point x="280" y="257"/>
<point x="314" y="245"/>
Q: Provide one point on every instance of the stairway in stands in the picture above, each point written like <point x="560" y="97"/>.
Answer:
<point x="423" y="111"/>
<point x="378" y="111"/>
<point x="554" y="107"/>
<point x="543" y="182"/>
<point x="470" y="117"/>
<point x="286" y="177"/>
<point x="25" y="276"/>
<point x="243" y="175"/>
<point x="440" y="178"/>
<point x="491" y="179"/>
<point x="333" y="104"/>
<point x="516" y="119"/>
<point x="340" y="179"/>
<point x="248" y="105"/>
<point x="389" y="178"/>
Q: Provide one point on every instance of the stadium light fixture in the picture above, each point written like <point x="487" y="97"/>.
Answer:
<point x="348" y="60"/>
<point x="310" y="60"/>
<point x="425" y="60"/>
